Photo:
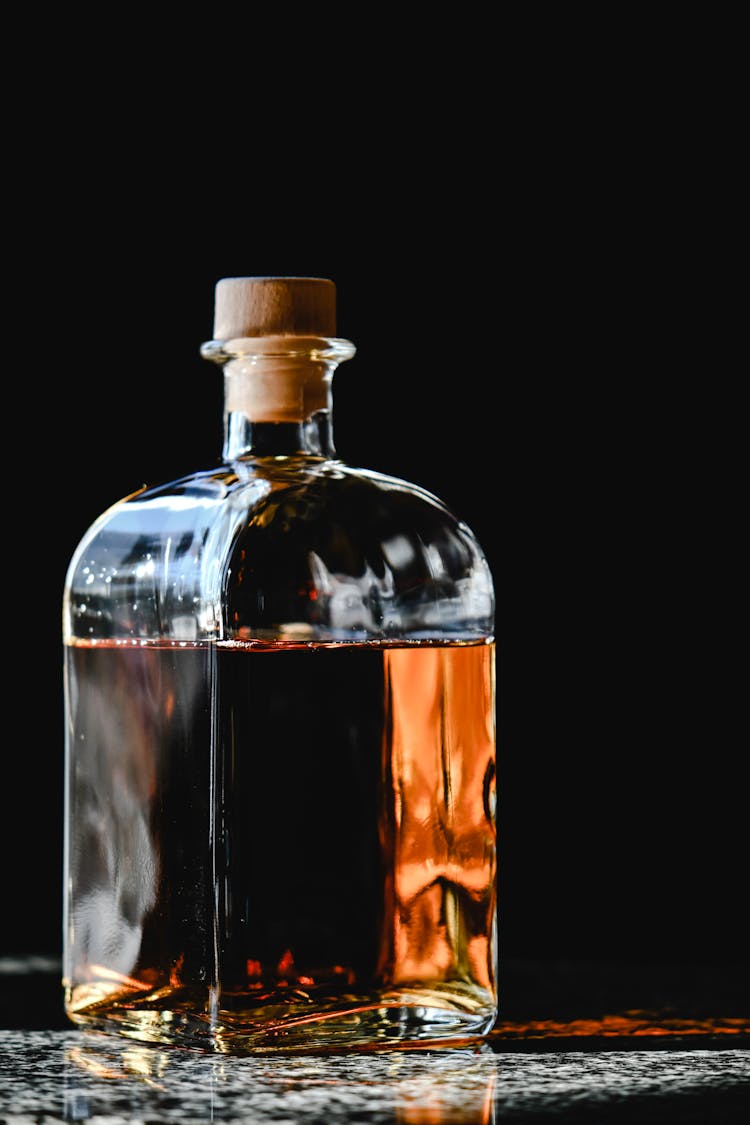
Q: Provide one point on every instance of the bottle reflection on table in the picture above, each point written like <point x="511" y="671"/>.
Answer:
<point x="105" y="1076"/>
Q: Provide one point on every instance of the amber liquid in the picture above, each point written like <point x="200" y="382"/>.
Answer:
<point x="278" y="844"/>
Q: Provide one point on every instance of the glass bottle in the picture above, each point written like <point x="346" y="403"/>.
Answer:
<point x="280" y="732"/>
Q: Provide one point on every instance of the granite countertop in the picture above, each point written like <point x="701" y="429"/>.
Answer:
<point x="557" y="1063"/>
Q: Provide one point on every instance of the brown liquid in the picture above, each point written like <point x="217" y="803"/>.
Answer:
<point x="264" y="836"/>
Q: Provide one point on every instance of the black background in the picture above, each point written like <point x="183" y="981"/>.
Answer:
<point x="533" y="266"/>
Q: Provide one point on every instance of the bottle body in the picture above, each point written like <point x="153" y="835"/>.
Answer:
<point x="280" y="762"/>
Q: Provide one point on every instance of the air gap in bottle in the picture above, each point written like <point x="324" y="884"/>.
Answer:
<point x="280" y="731"/>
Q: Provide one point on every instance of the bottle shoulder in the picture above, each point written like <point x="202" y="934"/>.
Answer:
<point x="257" y="546"/>
<point x="306" y="487"/>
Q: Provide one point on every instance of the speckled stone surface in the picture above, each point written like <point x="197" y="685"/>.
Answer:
<point x="51" y="1076"/>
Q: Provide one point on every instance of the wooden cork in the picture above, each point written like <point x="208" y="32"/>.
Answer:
<point x="274" y="306"/>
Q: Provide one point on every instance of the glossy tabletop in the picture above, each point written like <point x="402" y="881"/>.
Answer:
<point x="678" y="1064"/>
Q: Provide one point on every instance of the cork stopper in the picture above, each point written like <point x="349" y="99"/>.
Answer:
<point x="274" y="306"/>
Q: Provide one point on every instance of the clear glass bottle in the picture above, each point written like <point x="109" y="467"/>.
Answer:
<point x="280" y="732"/>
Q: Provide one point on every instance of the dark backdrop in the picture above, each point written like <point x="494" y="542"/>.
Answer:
<point x="541" y="346"/>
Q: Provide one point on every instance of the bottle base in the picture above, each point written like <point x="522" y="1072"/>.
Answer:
<point x="399" y="1019"/>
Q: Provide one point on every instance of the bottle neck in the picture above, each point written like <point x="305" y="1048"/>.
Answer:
<point x="243" y="437"/>
<point x="277" y="394"/>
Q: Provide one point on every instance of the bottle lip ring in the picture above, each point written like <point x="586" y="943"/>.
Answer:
<point x="325" y="348"/>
